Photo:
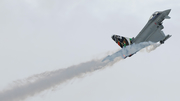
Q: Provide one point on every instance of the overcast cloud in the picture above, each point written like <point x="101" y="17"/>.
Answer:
<point x="41" y="35"/>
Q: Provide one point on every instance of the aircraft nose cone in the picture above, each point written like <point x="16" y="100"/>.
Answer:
<point x="167" y="11"/>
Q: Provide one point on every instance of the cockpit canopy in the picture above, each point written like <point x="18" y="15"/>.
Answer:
<point x="154" y="15"/>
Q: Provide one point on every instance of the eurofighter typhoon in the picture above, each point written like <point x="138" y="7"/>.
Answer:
<point x="152" y="31"/>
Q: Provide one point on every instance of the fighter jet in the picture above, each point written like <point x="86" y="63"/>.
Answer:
<point x="152" y="31"/>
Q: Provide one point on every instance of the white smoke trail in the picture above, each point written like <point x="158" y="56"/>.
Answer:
<point x="48" y="80"/>
<point x="132" y="49"/>
<point x="152" y="47"/>
<point x="44" y="81"/>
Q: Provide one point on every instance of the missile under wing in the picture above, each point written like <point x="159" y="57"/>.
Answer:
<point x="152" y="31"/>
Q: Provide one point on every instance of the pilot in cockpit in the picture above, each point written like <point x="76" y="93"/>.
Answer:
<point x="154" y="15"/>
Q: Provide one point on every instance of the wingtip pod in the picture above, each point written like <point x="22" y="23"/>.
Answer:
<point x="167" y="37"/>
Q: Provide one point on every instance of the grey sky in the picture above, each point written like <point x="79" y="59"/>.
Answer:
<point x="38" y="36"/>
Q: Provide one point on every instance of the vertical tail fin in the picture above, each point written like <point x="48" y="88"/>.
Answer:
<point x="122" y="41"/>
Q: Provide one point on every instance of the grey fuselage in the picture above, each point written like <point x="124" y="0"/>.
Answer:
<point x="152" y="30"/>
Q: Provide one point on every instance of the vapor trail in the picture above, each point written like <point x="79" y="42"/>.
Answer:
<point x="152" y="47"/>
<point x="44" y="81"/>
